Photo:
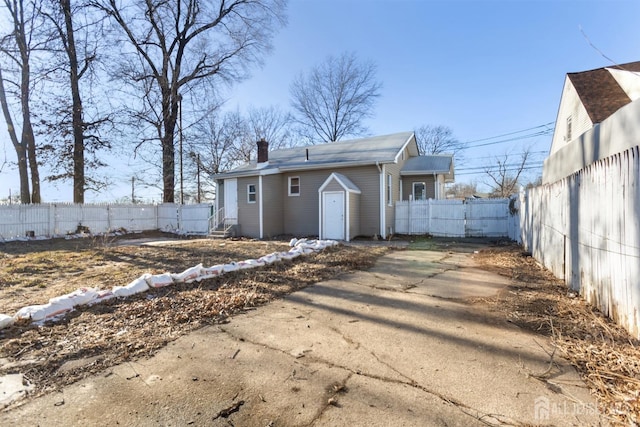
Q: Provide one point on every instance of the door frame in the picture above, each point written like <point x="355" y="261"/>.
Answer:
<point x="324" y="213"/>
<point x="231" y="213"/>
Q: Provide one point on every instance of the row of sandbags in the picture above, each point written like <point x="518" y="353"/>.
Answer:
<point x="61" y="305"/>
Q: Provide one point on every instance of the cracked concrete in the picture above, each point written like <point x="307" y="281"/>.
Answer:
<point x="397" y="345"/>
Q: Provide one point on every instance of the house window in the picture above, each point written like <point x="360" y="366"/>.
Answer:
<point x="389" y="189"/>
<point x="294" y="185"/>
<point x="569" y="128"/>
<point x="251" y="193"/>
<point x="419" y="191"/>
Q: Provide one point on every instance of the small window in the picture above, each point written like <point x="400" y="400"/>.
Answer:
<point x="294" y="185"/>
<point x="419" y="191"/>
<point x="569" y="128"/>
<point x="251" y="193"/>
<point x="389" y="189"/>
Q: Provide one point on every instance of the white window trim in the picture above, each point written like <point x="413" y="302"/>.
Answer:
<point x="289" y="187"/>
<point x="249" y="193"/>
<point x="389" y="187"/>
<point x="413" y="189"/>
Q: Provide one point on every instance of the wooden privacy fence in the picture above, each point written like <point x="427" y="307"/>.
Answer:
<point x="586" y="229"/>
<point x="50" y="220"/>
<point x="458" y="218"/>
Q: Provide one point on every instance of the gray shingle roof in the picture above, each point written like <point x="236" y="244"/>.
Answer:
<point x="599" y="91"/>
<point x="363" y="151"/>
<point x="428" y="164"/>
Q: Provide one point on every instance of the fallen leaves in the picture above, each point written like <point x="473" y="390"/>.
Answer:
<point x="121" y="330"/>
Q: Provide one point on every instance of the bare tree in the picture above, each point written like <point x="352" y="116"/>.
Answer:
<point x="504" y="175"/>
<point x="219" y="139"/>
<point x="75" y="48"/>
<point x="462" y="190"/>
<point x="17" y="47"/>
<point x="271" y="124"/>
<point x="182" y="45"/>
<point x="334" y="98"/>
<point x="437" y="140"/>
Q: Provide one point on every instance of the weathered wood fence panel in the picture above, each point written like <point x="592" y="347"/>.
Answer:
<point x="586" y="229"/>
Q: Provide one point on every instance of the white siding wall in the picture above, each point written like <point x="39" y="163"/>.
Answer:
<point x="570" y="105"/>
<point x="616" y="134"/>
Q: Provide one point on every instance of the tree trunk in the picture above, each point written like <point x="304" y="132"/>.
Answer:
<point x="28" y="138"/>
<point x="77" y="119"/>
<point x="21" y="152"/>
<point x="170" y="114"/>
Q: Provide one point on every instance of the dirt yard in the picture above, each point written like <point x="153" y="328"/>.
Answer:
<point x="607" y="358"/>
<point x="91" y="339"/>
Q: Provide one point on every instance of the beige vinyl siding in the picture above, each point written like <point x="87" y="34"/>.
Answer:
<point x="272" y="206"/>
<point x="407" y="185"/>
<point x="248" y="213"/>
<point x="367" y="179"/>
<point x="301" y="213"/>
<point x="354" y="215"/>
<point x="334" y="186"/>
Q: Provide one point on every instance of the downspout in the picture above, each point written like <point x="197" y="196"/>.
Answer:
<point x="260" y="210"/>
<point x="436" y="187"/>
<point x="383" y="206"/>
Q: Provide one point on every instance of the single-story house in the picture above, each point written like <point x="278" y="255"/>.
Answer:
<point x="596" y="118"/>
<point x="337" y="190"/>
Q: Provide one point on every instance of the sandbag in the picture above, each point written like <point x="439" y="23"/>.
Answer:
<point x="211" y="272"/>
<point x="187" y="276"/>
<point x="228" y="268"/>
<point x="6" y="321"/>
<point x="249" y="263"/>
<point x="160" y="280"/>
<point x="38" y="313"/>
<point x="80" y="296"/>
<point x="137" y="286"/>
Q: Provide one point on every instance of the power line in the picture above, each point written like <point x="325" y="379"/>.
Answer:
<point x="519" y="138"/>
<point x="505" y="170"/>
<point x="510" y="133"/>
<point x="507" y="165"/>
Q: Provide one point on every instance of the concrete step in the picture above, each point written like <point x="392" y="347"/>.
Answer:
<point x="218" y="234"/>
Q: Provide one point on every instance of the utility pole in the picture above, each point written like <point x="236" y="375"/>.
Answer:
<point x="198" y="166"/>
<point x="133" y="194"/>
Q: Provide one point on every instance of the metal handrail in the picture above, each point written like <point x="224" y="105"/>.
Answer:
<point x="219" y="219"/>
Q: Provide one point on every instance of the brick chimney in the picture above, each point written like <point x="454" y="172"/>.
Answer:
<point x="263" y="151"/>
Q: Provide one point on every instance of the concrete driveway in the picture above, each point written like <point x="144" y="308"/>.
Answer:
<point x="395" y="346"/>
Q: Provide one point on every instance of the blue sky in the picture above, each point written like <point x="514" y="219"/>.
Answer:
<point x="483" y="68"/>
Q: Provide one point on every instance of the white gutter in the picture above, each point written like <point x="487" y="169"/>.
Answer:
<point x="383" y="205"/>
<point x="346" y="203"/>
<point x="260" y="207"/>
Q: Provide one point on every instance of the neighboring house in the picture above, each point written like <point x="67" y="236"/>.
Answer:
<point x="596" y="118"/>
<point x="337" y="190"/>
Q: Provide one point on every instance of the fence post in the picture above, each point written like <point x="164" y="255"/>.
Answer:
<point x="410" y="223"/>
<point x="429" y="215"/>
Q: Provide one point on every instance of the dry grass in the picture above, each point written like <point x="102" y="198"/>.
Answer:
<point x="94" y="338"/>
<point x="607" y="358"/>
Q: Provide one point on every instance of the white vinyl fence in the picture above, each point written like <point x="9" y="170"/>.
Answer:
<point x="17" y="221"/>
<point x="458" y="218"/>
<point x="586" y="229"/>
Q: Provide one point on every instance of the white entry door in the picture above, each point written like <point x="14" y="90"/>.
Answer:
<point x="333" y="218"/>
<point x="231" y="200"/>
